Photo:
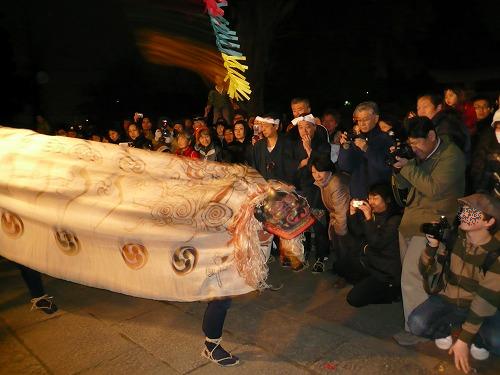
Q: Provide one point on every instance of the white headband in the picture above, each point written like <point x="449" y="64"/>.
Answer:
<point x="268" y="120"/>
<point x="309" y="118"/>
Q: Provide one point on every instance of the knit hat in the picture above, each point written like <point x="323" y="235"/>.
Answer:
<point x="484" y="203"/>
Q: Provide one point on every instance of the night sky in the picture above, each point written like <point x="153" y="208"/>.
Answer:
<point x="71" y="61"/>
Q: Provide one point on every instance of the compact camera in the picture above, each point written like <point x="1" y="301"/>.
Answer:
<point x="356" y="203"/>
<point x="351" y="136"/>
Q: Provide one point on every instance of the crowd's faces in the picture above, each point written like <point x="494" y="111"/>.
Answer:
<point x="188" y="123"/>
<point x="113" y="135"/>
<point x="182" y="141"/>
<point x="133" y="132"/>
<point x="472" y="219"/>
<point x="426" y="108"/>
<point x="239" y="132"/>
<point x="482" y="108"/>
<point x="205" y="139"/>
<point x="299" y="109"/>
<point x="422" y="147"/>
<point x="146" y="123"/>
<point x="366" y="120"/>
<point x="268" y="130"/>
<point x="199" y="124"/>
<point x="228" y="135"/>
<point x="237" y="118"/>
<point x="377" y="203"/>
<point x="306" y="129"/>
<point x="450" y="98"/>
<point x="71" y="134"/>
<point x="178" y="128"/>
<point x="220" y="130"/>
<point x="126" y="124"/>
<point x="330" y="123"/>
<point x="321" y="177"/>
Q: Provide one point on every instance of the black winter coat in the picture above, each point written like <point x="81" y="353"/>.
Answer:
<point x="379" y="241"/>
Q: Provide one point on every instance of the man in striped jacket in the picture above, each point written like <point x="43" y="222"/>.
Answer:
<point x="471" y="294"/>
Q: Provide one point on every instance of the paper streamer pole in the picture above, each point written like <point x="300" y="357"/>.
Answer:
<point x="226" y="39"/>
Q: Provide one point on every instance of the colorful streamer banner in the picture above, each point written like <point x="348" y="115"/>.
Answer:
<point x="226" y="39"/>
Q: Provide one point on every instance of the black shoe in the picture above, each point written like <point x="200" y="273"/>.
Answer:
<point x="217" y="354"/>
<point x="44" y="303"/>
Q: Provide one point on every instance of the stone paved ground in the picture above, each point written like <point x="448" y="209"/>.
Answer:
<point x="304" y="328"/>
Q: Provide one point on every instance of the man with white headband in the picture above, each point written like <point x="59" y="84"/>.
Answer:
<point x="272" y="157"/>
<point x="311" y="142"/>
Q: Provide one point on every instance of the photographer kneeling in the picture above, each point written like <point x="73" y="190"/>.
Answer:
<point x="469" y="287"/>
<point x="376" y="272"/>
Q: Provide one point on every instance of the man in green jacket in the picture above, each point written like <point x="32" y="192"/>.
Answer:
<point x="470" y="292"/>
<point x="435" y="179"/>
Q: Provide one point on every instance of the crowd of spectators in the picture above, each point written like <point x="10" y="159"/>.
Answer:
<point x="371" y="185"/>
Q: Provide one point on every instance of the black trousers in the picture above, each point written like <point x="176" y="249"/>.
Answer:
<point x="371" y="290"/>
<point x="215" y="315"/>
<point x="33" y="280"/>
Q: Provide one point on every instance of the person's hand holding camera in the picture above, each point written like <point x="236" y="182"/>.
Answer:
<point x="431" y="241"/>
<point x="361" y="143"/>
<point x="362" y="206"/>
<point x="343" y="138"/>
<point x="401" y="162"/>
<point x="366" y="209"/>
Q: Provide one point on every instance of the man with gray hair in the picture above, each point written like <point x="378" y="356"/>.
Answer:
<point x="364" y="150"/>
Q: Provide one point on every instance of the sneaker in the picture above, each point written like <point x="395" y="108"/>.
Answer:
<point x="44" y="303"/>
<point x="404" y="338"/>
<point x="300" y="267"/>
<point x="214" y="352"/>
<point x="479" y="353"/>
<point x="319" y="266"/>
<point x="444" y="343"/>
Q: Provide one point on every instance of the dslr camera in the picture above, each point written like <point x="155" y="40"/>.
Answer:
<point x="440" y="231"/>
<point x="402" y="150"/>
<point x="351" y="136"/>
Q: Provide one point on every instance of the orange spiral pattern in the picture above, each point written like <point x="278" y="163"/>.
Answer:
<point x="12" y="225"/>
<point x="184" y="260"/>
<point x="135" y="255"/>
<point x="67" y="241"/>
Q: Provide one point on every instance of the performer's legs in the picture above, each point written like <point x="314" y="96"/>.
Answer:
<point x="40" y="300"/>
<point x="213" y="323"/>
<point x="33" y="280"/>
